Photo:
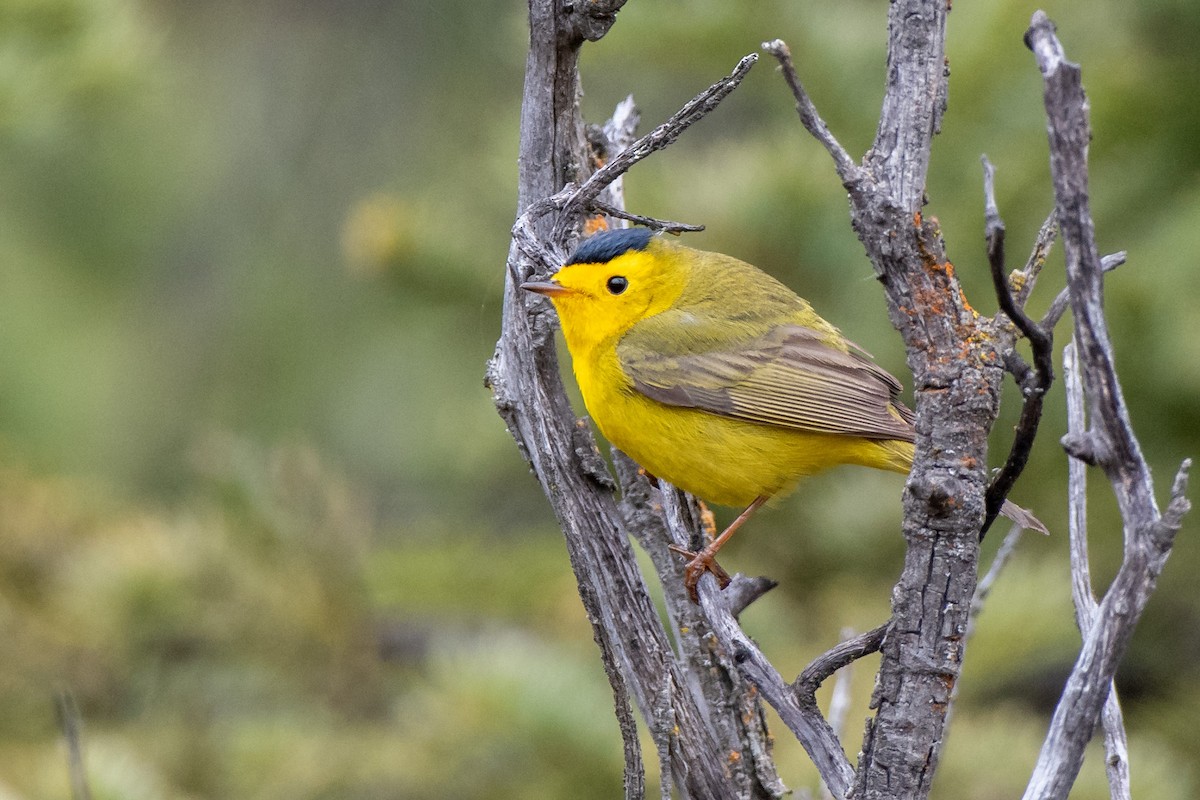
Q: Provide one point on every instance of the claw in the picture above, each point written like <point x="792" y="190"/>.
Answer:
<point x="698" y="564"/>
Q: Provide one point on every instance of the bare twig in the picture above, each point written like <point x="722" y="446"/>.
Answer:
<point x="744" y="590"/>
<point x="1070" y="133"/>
<point x="839" y="701"/>
<point x="1110" y="441"/>
<point x="605" y="141"/>
<point x="590" y="21"/>
<point x="839" y="704"/>
<point x="709" y="635"/>
<point x="72" y="729"/>
<point x="1116" y="749"/>
<point x="620" y="130"/>
<point x="1042" y="245"/>
<point x="829" y="662"/>
<point x="578" y="202"/>
<point x="1041" y="341"/>
<point x="571" y="203"/>
<point x="847" y="169"/>
<point x="911" y="114"/>
<point x="657" y="517"/>
<point x="804" y="721"/>
<point x="664" y="225"/>
<point x="994" y="230"/>
<point x="995" y="236"/>
<point x="1062" y="300"/>
<point x="999" y="561"/>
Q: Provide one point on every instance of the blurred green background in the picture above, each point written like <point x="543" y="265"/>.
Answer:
<point x="257" y="514"/>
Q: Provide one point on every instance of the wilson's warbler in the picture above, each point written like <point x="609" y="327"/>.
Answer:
<point x="716" y="377"/>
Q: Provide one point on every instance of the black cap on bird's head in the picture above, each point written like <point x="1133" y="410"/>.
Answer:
<point x="600" y="248"/>
<point x="607" y="245"/>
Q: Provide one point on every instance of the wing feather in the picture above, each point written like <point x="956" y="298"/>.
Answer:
<point x="792" y="376"/>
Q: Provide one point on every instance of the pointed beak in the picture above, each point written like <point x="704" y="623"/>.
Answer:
<point x="547" y="288"/>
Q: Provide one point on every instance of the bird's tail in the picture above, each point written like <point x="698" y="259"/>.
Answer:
<point x="1023" y="517"/>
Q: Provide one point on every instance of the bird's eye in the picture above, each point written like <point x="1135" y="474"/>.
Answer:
<point x="616" y="284"/>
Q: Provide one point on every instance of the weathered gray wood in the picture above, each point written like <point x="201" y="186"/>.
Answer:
<point x="1109" y="442"/>
<point x="692" y="729"/>
<point x="956" y="359"/>
<point x="699" y="680"/>
<point x="1116" y="749"/>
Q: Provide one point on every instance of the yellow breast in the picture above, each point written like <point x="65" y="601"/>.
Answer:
<point x="722" y="460"/>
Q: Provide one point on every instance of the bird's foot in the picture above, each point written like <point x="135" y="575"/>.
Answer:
<point x="698" y="564"/>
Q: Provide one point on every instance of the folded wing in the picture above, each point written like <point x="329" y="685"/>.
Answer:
<point x="791" y="376"/>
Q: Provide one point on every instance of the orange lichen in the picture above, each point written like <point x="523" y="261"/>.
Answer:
<point x="594" y="225"/>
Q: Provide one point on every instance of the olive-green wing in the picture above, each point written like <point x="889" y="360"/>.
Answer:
<point x="790" y="376"/>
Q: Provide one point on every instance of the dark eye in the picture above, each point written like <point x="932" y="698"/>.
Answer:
<point x="616" y="284"/>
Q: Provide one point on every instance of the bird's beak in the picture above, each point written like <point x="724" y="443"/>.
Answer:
<point x="547" y="288"/>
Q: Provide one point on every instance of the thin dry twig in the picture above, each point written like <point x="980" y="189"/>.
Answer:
<point x="1116" y="747"/>
<point x="578" y="202"/>
<point x="1062" y="300"/>
<point x="665" y="225"/>
<point x="810" y="728"/>
<point x="829" y="662"/>
<point x="847" y="169"/>
<point x="1041" y="342"/>
<point x="71" y="724"/>
<point x="661" y="515"/>
<point x="571" y="203"/>
<point x="717" y="614"/>
<point x="1109" y="442"/>
<point x="839" y="704"/>
<point x="1042" y="245"/>
<point x="999" y="561"/>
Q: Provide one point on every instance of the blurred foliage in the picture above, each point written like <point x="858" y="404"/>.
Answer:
<point x="256" y="512"/>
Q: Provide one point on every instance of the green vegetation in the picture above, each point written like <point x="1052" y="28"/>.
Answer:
<point x="257" y="514"/>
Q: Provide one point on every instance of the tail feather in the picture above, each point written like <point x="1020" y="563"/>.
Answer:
<point x="1023" y="517"/>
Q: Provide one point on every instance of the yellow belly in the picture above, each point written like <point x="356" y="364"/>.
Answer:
<point x="721" y="459"/>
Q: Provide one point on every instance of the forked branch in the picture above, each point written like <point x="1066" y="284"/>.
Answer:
<point x="1109" y="442"/>
<point x="1116" y="751"/>
<point x="1034" y="383"/>
<point x="636" y="651"/>
<point x="700" y="701"/>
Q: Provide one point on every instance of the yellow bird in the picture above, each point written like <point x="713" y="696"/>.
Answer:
<point x="716" y="377"/>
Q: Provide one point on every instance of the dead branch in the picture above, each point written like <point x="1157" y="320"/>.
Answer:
<point x="1116" y="761"/>
<point x="698" y="680"/>
<point x="1034" y="383"/>
<point x="702" y="737"/>
<point x="1109" y="442"/>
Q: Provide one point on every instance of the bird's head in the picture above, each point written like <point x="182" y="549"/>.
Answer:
<point x="614" y="280"/>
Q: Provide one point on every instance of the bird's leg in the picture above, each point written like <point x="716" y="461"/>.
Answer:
<point x="706" y="560"/>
